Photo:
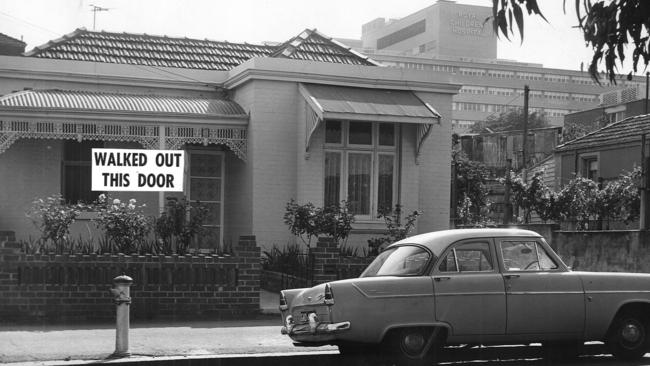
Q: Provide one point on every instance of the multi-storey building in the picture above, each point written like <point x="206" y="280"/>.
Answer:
<point x="454" y="39"/>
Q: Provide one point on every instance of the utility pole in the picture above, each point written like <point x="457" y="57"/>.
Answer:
<point x="647" y="74"/>
<point x="95" y="9"/>
<point x="524" y="142"/>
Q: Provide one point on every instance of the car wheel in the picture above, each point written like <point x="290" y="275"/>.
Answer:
<point x="628" y="338"/>
<point x="415" y="346"/>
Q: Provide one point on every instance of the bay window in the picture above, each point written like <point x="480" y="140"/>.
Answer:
<point x="360" y="165"/>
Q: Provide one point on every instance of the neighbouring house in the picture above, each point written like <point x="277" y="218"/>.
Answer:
<point x="604" y="153"/>
<point x="309" y="120"/>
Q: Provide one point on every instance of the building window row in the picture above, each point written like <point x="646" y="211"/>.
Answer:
<point x="471" y="72"/>
<point x="461" y="124"/>
<point x="529" y="76"/>
<point x="556" y="78"/>
<point x="501" y="91"/>
<point x="500" y="108"/>
<point x="472" y="90"/>
<point x="443" y="68"/>
<point x="501" y="74"/>
<point x="556" y="112"/>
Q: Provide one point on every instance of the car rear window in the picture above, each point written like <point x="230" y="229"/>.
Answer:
<point x="406" y="260"/>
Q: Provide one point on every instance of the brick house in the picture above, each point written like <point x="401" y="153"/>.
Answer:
<point x="309" y="120"/>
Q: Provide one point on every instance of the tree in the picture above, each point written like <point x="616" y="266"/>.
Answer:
<point x="470" y="182"/>
<point x="608" y="26"/>
<point x="510" y="120"/>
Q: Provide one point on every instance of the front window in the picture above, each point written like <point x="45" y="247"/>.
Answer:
<point x="76" y="167"/>
<point x="360" y="165"/>
<point x="408" y="260"/>
<point x="526" y="256"/>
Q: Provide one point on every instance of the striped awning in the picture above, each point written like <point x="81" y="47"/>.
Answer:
<point x="364" y="104"/>
<point x="118" y="102"/>
<point x="154" y="121"/>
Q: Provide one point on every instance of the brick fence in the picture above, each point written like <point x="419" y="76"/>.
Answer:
<point x="325" y="263"/>
<point x="76" y="286"/>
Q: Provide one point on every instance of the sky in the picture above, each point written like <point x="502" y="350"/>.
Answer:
<point x="555" y="44"/>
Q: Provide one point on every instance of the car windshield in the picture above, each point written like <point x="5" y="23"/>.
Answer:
<point x="407" y="260"/>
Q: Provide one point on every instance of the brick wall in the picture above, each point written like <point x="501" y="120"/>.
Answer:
<point x="329" y="265"/>
<point x="76" y="286"/>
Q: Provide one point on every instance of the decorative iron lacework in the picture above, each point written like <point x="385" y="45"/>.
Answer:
<point x="149" y="136"/>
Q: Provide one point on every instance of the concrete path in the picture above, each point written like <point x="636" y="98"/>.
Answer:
<point x="37" y="344"/>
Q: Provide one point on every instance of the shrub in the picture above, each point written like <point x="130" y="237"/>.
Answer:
<point x="53" y="218"/>
<point x="124" y="224"/>
<point x="308" y="221"/>
<point x="179" y="224"/>
<point x="396" y="228"/>
<point x="290" y="259"/>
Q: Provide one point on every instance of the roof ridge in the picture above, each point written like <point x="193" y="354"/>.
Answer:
<point x="176" y="37"/>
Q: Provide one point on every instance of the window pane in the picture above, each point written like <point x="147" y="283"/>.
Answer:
<point x="333" y="132"/>
<point x="359" y="183"/>
<point x="205" y="165"/>
<point x="385" y="182"/>
<point x="545" y="261"/>
<point x="474" y="257"/>
<point x="332" y="178"/>
<point x="519" y="256"/>
<point x="205" y="189"/>
<point x="387" y="134"/>
<point x="360" y="133"/>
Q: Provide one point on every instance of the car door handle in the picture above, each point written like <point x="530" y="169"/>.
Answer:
<point x="442" y="279"/>
<point x="510" y="276"/>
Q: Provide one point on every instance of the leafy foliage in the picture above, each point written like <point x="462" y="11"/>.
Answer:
<point x="308" y="221"/>
<point x="531" y="197"/>
<point x="470" y="181"/>
<point x="179" y="224"/>
<point x="396" y="228"/>
<point x="608" y="27"/>
<point x="289" y="259"/>
<point x="53" y="217"/>
<point x="509" y="121"/>
<point x="125" y="224"/>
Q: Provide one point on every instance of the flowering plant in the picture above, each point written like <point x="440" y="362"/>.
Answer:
<point x="125" y="225"/>
<point x="53" y="217"/>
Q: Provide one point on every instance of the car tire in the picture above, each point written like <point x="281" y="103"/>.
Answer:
<point x="628" y="337"/>
<point x="415" y="346"/>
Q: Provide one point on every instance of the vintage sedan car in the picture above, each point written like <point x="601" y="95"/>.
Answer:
<point x="470" y="287"/>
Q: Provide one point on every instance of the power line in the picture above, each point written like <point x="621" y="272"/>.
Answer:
<point x="29" y="23"/>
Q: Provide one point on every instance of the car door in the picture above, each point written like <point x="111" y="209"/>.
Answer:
<point x="469" y="290"/>
<point x="542" y="296"/>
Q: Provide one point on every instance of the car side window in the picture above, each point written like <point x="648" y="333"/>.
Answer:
<point x="467" y="257"/>
<point x="526" y="255"/>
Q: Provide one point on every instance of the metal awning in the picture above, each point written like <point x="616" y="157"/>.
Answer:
<point x="155" y="121"/>
<point x="364" y="104"/>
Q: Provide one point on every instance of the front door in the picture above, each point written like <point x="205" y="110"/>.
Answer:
<point x="542" y="297"/>
<point x="206" y="178"/>
<point x="469" y="289"/>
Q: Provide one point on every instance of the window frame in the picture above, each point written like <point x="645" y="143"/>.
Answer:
<point x="188" y="193"/>
<point x="66" y="164"/>
<point x="375" y="150"/>
<point x="452" y="248"/>
<point x="559" y="265"/>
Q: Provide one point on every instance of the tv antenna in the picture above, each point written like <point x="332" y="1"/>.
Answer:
<point x="96" y="9"/>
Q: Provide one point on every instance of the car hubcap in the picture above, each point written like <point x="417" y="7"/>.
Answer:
<point x="413" y="343"/>
<point x="631" y="333"/>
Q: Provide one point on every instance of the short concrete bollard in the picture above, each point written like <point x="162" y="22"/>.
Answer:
<point x="121" y="292"/>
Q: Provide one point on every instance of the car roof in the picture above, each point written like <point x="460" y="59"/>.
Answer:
<point x="437" y="241"/>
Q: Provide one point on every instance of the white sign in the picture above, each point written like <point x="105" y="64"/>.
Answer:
<point x="137" y="170"/>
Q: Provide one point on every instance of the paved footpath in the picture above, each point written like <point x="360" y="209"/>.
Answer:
<point x="44" y="344"/>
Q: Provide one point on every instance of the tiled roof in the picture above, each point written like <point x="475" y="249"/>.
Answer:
<point x="144" y="49"/>
<point x="617" y="133"/>
<point x="5" y="39"/>
<point x="117" y="102"/>
<point x="312" y="45"/>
